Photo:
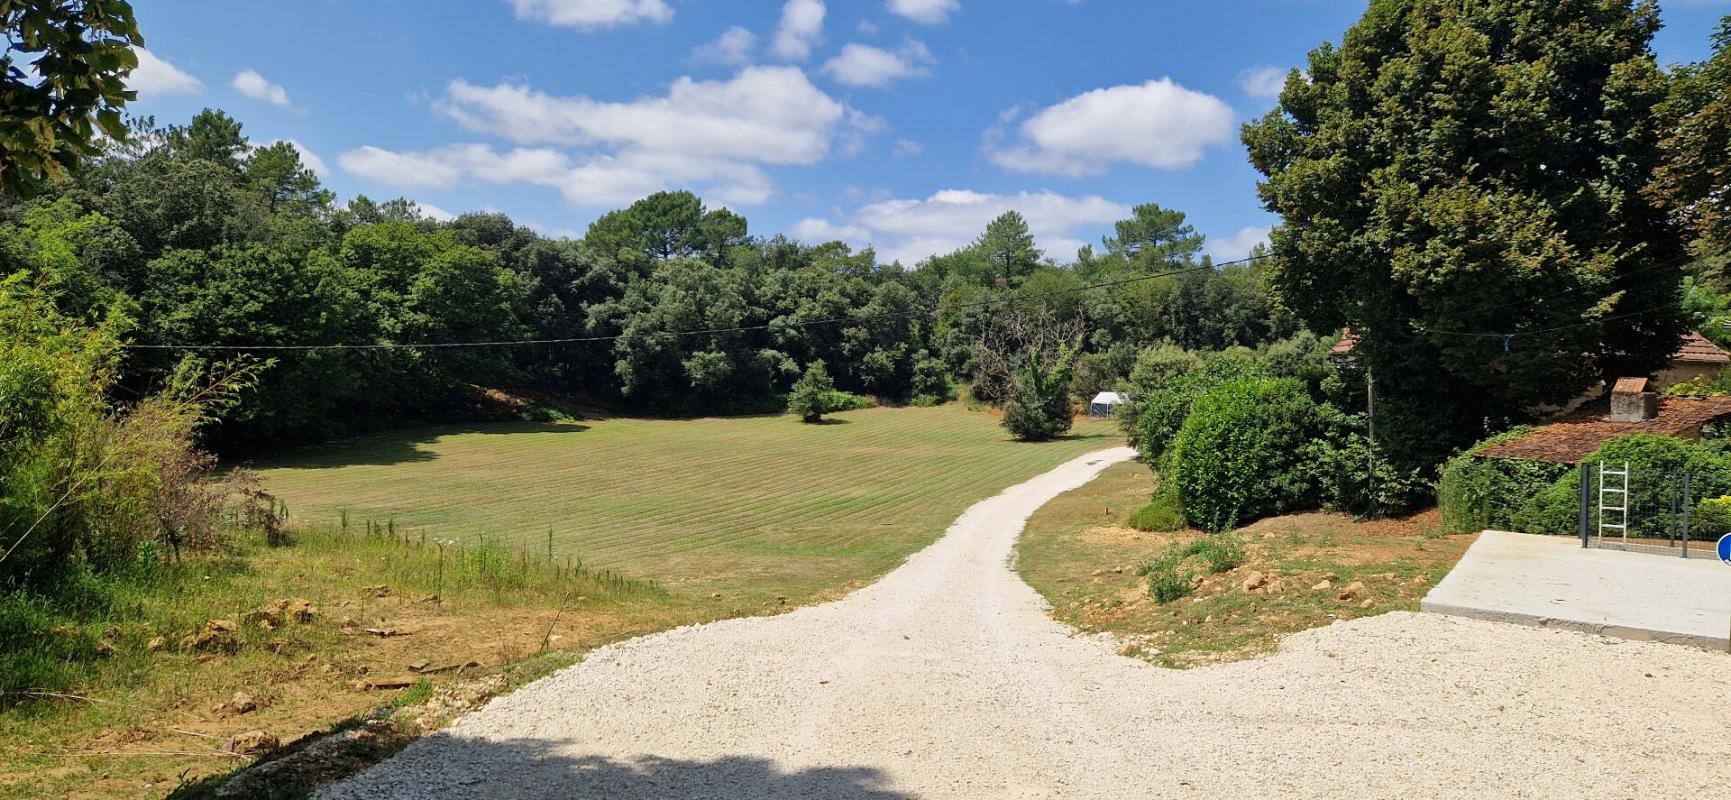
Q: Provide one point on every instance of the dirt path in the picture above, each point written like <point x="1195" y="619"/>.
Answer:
<point x="947" y="679"/>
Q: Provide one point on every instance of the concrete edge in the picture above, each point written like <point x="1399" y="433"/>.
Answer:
<point x="1717" y="644"/>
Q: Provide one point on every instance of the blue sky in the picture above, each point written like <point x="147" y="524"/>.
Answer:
<point x="904" y="124"/>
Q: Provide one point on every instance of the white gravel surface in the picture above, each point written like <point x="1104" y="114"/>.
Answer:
<point x="947" y="679"/>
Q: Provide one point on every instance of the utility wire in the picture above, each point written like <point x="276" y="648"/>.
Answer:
<point x="704" y="332"/>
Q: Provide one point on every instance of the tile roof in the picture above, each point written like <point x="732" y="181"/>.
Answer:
<point x="1696" y="349"/>
<point x="1576" y="436"/>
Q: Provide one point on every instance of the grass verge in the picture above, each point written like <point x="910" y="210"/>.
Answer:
<point x="1183" y="599"/>
<point x="418" y="614"/>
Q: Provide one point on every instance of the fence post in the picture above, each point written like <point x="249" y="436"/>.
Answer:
<point x="1586" y="492"/>
<point x="1686" y="476"/>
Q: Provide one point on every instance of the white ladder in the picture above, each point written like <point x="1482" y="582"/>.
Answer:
<point x="1621" y="508"/>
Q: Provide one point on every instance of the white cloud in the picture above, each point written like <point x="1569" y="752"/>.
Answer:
<point x="864" y="65"/>
<point x="255" y="86"/>
<point x="434" y="212"/>
<point x="1238" y="245"/>
<point x="156" y="76"/>
<point x="402" y="170"/>
<point x="733" y="47"/>
<point x="1156" y="124"/>
<point x="800" y="30"/>
<point x="1263" y="83"/>
<point x="925" y="12"/>
<point x="764" y="114"/>
<point x="715" y="137"/>
<point x="309" y="159"/>
<point x="912" y="230"/>
<point x="906" y="148"/>
<point x="592" y="14"/>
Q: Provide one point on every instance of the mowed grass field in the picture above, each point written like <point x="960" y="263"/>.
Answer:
<point x="753" y="508"/>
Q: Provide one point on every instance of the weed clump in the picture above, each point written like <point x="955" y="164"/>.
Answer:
<point x="1173" y="575"/>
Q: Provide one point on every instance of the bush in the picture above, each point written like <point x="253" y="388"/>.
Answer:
<point x="1712" y="517"/>
<point x="1163" y="513"/>
<point x="838" y="400"/>
<point x="1039" y="408"/>
<point x="1652" y="460"/>
<point x="811" y="393"/>
<point x="1163" y="409"/>
<point x="1168" y="584"/>
<point x="1242" y="453"/>
<point x="932" y="384"/>
<point x="1476" y="493"/>
<point x="1357" y="477"/>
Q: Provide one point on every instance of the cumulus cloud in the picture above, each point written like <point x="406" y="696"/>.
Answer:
<point x="1156" y="124"/>
<point x="156" y="76"/>
<point x="764" y="114"/>
<point x="925" y="12"/>
<point x="309" y="159"/>
<point x="1238" y="245"/>
<point x="255" y="86"/>
<point x="733" y="47"/>
<point x="910" y="230"/>
<point x="865" y="65"/>
<point x="434" y="212"/>
<point x="717" y="136"/>
<point x="800" y="30"/>
<point x="592" y="14"/>
<point x="1263" y="83"/>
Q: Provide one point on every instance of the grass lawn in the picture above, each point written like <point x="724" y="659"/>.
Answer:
<point x="655" y="523"/>
<point x="754" y="508"/>
<point x="1078" y="552"/>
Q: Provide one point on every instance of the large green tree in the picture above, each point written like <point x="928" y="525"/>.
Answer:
<point x="1456" y="172"/>
<point x="1695" y="180"/>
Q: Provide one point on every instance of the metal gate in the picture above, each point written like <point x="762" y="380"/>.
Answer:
<point x="1653" y="511"/>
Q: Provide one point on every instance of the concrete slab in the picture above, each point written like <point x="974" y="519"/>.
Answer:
<point x="1551" y="581"/>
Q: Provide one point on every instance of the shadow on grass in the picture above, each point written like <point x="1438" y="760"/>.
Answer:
<point x="399" y="447"/>
<point x="441" y="765"/>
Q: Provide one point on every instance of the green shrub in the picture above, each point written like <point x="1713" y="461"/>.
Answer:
<point x="811" y="393"/>
<point x="1715" y="385"/>
<point x="1163" y="408"/>
<point x="1357" y="477"/>
<point x="1242" y="453"/>
<point x="846" y="401"/>
<point x="1163" y="513"/>
<point x="1711" y="517"/>
<point x="932" y="384"/>
<point x="1167" y="583"/>
<point x="1221" y="552"/>
<point x="1039" y="406"/>
<point x="1476" y="493"/>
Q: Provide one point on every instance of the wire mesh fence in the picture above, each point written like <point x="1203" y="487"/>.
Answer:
<point x="1678" y="512"/>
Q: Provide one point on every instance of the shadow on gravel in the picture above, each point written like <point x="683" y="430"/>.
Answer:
<point x="533" y="769"/>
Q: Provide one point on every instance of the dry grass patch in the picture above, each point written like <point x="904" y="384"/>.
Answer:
<point x="1299" y="571"/>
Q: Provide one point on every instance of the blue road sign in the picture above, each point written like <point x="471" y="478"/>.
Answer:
<point x="1725" y="548"/>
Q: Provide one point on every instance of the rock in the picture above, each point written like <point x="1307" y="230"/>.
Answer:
<point x="1255" y="580"/>
<point x="1353" y="591"/>
<point x="781" y="599"/>
<point x="419" y="665"/>
<point x="218" y="634"/>
<point x="384" y="633"/>
<point x="715" y="596"/>
<point x="428" y="598"/>
<point x="242" y="703"/>
<point x="1368" y="603"/>
<point x="156" y="643"/>
<point x="283" y="610"/>
<point x="1323" y="586"/>
<point x="390" y="683"/>
<point x="249" y="742"/>
<point x="1097" y="573"/>
<point x="376" y="591"/>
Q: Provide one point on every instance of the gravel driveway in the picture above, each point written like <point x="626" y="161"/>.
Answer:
<point x="947" y="679"/>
